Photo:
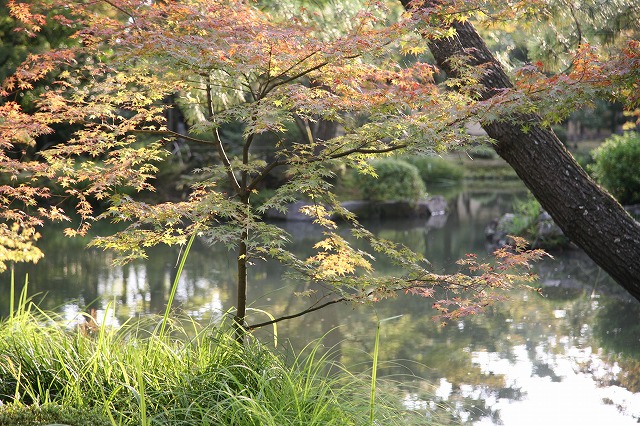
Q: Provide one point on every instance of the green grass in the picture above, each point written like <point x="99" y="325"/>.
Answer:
<point x="50" y="414"/>
<point x="135" y="377"/>
<point x="165" y="371"/>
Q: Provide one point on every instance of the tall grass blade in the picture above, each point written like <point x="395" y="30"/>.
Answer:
<point x="275" y="326"/>
<point x="12" y="293"/>
<point x="141" y="394"/>
<point x="23" y="299"/>
<point x="374" y="369"/>
<point x="174" y="287"/>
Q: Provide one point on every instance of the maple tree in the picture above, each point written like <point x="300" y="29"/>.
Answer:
<point x="274" y="75"/>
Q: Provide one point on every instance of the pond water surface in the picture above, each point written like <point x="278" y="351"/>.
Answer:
<point x="571" y="357"/>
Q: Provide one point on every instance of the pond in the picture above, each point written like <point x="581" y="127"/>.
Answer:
<point x="570" y="357"/>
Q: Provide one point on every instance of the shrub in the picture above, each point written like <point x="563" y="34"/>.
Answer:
<point x="531" y="222"/>
<point x="397" y="180"/>
<point x="436" y="170"/>
<point x="585" y="159"/>
<point x="617" y="166"/>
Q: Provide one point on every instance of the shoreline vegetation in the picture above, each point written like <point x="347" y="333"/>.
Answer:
<point x="174" y="371"/>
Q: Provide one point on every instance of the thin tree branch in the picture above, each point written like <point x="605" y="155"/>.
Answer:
<point x="221" y="151"/>
<point x="301" y="60"/>
<point x="263" y="174"/>
<point x="316" y="307"/>
<point x="287" y="80"/>
<point x="576" y="21"/>
<point x="174" y="134"/>
<point x="245" y="149"/>
<point x="129" y="14"/>
<point x="245" y="161"/>
<point x="263" y="89"/>
<point x="303" y="125"/>
<point x="368" y="151"/>
<point x="296" y="315"/>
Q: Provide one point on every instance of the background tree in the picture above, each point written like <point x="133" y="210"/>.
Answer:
<point x="586" y="213"/>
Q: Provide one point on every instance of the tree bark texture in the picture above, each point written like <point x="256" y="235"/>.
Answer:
<point x="585" y="212"/>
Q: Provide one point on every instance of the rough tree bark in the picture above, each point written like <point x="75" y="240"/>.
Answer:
<point x="585" y="212"/>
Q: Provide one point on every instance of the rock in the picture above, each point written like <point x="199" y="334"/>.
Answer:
<point x="497" y="230"/>
<point x="385" y="209"/>
<point x="547" y="233"/>
<point x="437" y="221"/>
<point x="362" y="209"/>
<point x="547" y="230"/>
<point x="437" y="205"/>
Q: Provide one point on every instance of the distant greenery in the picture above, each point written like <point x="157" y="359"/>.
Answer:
<point x="561" y="132"/>
<point x="585" y="159"/>
<point x="485" y="169"/>
<point x="482" y="151"/>
<point x="617" y="166"/>
<point x="396" y="180"/>
<point x="436" y="170"/>
<point x="526" y="214"/>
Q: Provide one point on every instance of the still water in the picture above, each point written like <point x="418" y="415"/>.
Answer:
<point x="571" y="357"/>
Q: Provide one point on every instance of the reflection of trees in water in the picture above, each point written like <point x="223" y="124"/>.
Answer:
<point x="73" y="274"/>
<point x="69" y="272"/>
<point x="414" y="349"/>
<point x="614" y="370"/>
<point x="573" y="274"/>
<point x="616" y="328"/>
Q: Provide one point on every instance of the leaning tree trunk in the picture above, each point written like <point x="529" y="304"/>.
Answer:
<point x="586" y="213"/>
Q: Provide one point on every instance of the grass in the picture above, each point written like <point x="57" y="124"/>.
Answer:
<point x="50" y="414"/>
<point x="374" y="370"/>
<point x="166" y="371"/>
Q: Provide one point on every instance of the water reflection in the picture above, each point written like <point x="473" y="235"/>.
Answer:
<point x="571" y="357"/>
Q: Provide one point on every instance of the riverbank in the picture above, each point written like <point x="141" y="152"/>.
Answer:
<point x="83" y="372"/>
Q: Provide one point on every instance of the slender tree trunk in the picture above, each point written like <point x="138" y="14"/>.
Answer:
<point x="241" y="302"/>
<point x="585" y="212"/>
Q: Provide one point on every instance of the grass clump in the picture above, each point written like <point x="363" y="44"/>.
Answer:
<point x="481" y="151"/>
<point x="136" y="374"/>
<point x="48" y="414"/>
<point x="530" y="221"/>
<point x="526" y="215"/>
